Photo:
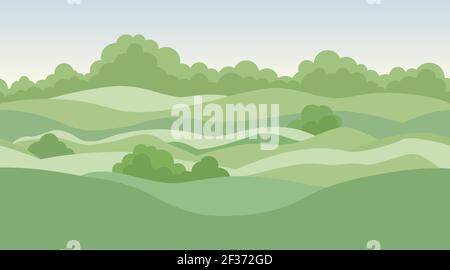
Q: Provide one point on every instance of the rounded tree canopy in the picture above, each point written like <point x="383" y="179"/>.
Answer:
<point x="3" y="86"/>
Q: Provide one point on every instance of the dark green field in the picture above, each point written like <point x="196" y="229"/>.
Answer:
<point x="43" y="210"/>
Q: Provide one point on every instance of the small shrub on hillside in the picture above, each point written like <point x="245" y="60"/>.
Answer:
<point x="49" y="146"/>
<point x="154" y="164"/>
<point x="316" y="119"/>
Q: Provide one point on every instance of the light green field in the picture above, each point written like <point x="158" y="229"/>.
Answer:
<point x="431" y="123"/>
<point x="405" y="210"/>
<point x="9" y="145"/>
<point x="250" y="160"/>
<point x="78" y="164"/>
<point x="166" y="136"/>
<point x="341" y="138"/>
<point x="394" y="139"/>
<point x="434" y="152"/>
<point x="329" y="175"/>
<point x="88" y="116"/>
<point x="231" y="196"/>
<point x="125" y="142"/>
<point x="336" y="190"/>
<point x="223" y="150"/>
<point x="78" y="115"/>
<point x="132" y="99"/>
<point x="384" y="105"/>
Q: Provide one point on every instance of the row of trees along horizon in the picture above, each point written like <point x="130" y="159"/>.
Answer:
<point x="136" y="61"/>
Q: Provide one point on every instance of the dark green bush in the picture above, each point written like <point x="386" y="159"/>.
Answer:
<point x="154" y="164"/>
<point x="316" y="119"/>
<point x="208" y="167"/>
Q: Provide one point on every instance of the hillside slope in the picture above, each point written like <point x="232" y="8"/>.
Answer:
<point x="230" y="196"/>
<point x="401" y="210"/>
<point x="131" y="99"/>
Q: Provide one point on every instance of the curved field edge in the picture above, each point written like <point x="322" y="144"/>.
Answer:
<point x="77" y="114"/>
<point x="290" y="135"/>
<point x="381" y="127"/>
<point x="394" y="139"/>
<point x="377" y="104"/>
<point x="433" y="152"/>
<point x="329" y="175"/>
<point x="30" y="125"/>
<point x="405" y="210"/>
<point x="436" y="153"/>
<point x="77" y="164"/>
<point x="384" y="105"/>
<point x="121" y="143"/>
<point x="340" y="139"/>
<point x="88" y="116"/>
<point x="250" y="150"/>
<point x="230" y="196"/>
<point x="132" y="99"/>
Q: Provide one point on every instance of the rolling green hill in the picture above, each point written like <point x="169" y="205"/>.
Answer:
<point x="385" y="105"/>
<point x="78" y="164"/>
<point x="379" y="127"/>
<point x="224" y="150"/>
<point x="230" y="196"/>
<point x="80" y="115"/>
<point x="131" y="99"/>
<point x="124" y="142"/>
<point x="27" y="124"/>
<point x="32" y="125"/>
<point x="78" y="105"/>
<point x="434" y="152"/>
<point x="391" y="140"/>
<point x="288" y="134"/>
<point x="329" y="175"/>
<point x="374" y="114"/>
<point x="405" y="210"/>
<point x="341" y="138"/>
<point x="344" y="147"/>
<point x="95" y="157"/>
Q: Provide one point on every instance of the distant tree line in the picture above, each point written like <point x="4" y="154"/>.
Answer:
<point x="135" y="61"/>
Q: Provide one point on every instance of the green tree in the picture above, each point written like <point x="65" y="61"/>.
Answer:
<point x="3" y="87"/>
<point x="134" y="68"/>
<point x="200" y="68"/>
<point x="136" y="61"/>
<point x="339" y="84"/>
<point x="62" y="72"/>
<point x="49" y="146"/>
<point x="233" y="83"/>
<point x="167" y="58"/>
<point x="199" y="82"/>
<point x="230" y="83"/>
<point x="426" y="83"/>
<point x="3" y="90"/>
<point x="21" y="85"/>
<point x="330" y="62"/>
<point x="248" y="69"/>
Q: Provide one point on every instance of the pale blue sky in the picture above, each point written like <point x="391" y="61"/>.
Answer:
<point x="36" y="35"/>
